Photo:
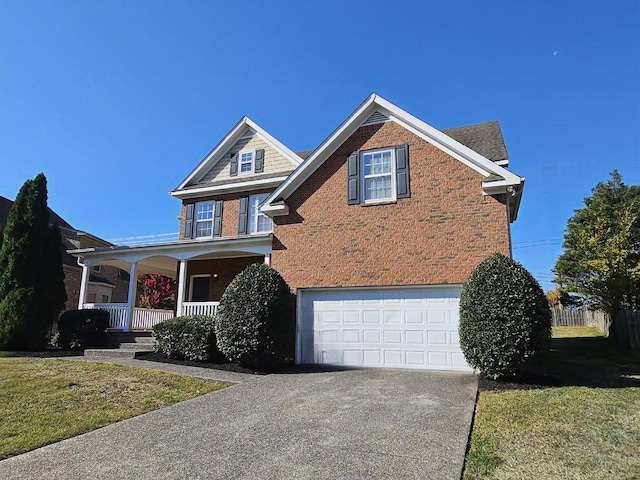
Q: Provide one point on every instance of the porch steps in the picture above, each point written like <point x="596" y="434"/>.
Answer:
<point x="125" y="345"/>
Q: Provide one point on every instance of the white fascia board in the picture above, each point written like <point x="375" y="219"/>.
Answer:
<point x="227" y="188"/>
<point x="210" y="159"/>
<point x="501" y="186"/>
<point x="311" y="164"/>
<point x="275" y="209"/>
<point x="430" y="134"/>
<point x="229" y="141"/>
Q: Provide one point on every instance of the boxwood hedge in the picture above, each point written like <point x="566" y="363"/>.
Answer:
<point x="188" y="337"/>
<point x="505" y="320"/>
<point x="255" y="323"/>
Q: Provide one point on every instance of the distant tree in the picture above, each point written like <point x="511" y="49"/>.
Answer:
<point x="601" y="259"/>
<point x="560" y="299"/>
<point x="158" y="291"/>
<point x="31" y="276"/>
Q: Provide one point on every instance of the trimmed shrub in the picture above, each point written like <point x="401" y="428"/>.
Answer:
<point x="80" y="329"/>
<point x="255" y="323"/>
<point x="189" y="337"/>
<point x="15" y="332"/>
<point x="505" y="320"/>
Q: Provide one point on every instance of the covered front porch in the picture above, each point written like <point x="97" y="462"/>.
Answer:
<point x="202" y="270"/>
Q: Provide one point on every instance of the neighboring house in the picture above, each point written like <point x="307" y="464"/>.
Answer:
<point x="375" y="231"/>
<point x="107" y="284"/>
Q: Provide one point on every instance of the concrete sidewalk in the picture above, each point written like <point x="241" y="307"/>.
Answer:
<point x="339" y="424"/>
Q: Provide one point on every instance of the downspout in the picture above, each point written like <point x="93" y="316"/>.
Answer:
<point x="510" y="191"/>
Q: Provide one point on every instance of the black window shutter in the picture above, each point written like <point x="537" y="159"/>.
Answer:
<point x="353" y="179"/>
<point x="244" y="215"/>
<point x="234" y="165"/>
<point x="402" y="172"/>
<point x="259" y="161"/>
<point x="188" y="222"/>
<point x="217" y="219"/>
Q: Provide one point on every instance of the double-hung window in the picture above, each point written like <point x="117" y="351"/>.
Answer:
<point x="258" y="222"/>
<point x="378" y="169"/>
<point x="380" y="175"/>
<point x="204" y="219"/>
<point x="246" y="162"/>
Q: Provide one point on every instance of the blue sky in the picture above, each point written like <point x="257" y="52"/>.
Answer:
<point x="116" y="101"/>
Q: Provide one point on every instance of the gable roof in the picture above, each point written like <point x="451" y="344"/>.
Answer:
<point x="226" y="144"/>
<point x="485" y="138"/>
<point x="497" y="179"/>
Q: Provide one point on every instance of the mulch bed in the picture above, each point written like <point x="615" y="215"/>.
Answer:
<point x="532" y="381"/>
<point x="229" y="367"/>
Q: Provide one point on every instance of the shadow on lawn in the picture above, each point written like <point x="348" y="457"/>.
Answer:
<point x="594" y="362"/>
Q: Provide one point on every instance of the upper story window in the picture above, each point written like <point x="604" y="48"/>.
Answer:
<point x="380" y="175"/>
<point x="204" y="219"/>
<point x="258" y="222"/>
<point x="246" y="162"/>
<point x="377" y="173"/>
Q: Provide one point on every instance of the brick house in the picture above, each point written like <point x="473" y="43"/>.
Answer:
<point x="375" y="231"/>
<point x="106" y="283"/>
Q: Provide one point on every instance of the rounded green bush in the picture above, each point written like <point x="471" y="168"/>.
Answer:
<point x="255" y="323"/>
<point x="505" y="320"/>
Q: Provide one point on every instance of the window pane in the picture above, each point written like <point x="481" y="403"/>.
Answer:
<point x="246" y="162"/>
<point x="204" y="211"/>
<point x="204" y="229"/>
<point x="377" y="188"/>
<point x="257" y="221"/>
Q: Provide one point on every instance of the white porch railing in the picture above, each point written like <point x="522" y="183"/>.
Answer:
<point x="199" y="308"/>
<point x="143" y="318"/>
<point x="146" y="318"/>
<point x="117" y="313"/>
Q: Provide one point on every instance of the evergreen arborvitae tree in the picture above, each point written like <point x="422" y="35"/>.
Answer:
<point x="30" y="276"/>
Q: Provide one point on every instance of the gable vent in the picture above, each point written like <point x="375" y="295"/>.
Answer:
<point x="376" y="117"/>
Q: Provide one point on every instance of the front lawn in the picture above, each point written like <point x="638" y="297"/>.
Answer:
<point x="46" y="400"/>
<point x="588" y="426"/>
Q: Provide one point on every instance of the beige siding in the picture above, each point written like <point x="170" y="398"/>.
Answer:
<point x="274" y="162"/>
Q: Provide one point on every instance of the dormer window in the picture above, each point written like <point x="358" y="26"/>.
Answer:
<point x="246" y="162"/>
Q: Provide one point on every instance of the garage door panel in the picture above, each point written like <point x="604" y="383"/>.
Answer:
<point x="395" y="328"/>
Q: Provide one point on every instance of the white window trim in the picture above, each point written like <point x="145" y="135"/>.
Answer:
<point x="203" y="275"/>
<point x="394" y="193"/>
<point x="97" y="268"/>
<point x="253" y="162"/>
<point x="196" y="221"/>
<point x="258" y="214"/>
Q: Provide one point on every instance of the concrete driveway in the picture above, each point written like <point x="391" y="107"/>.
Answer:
<point x="335" y="424"/>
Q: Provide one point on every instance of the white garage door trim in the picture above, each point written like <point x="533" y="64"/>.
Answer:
<point x="386" y="327"/>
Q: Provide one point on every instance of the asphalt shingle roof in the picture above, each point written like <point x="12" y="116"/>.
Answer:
<point x="484" y="138"/>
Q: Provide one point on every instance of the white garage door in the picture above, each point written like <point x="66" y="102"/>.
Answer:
<point x="387" y="327"/>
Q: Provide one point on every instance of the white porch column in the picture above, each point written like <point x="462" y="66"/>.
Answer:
<point x="84" y="286"/>
<point x="182" y="275"/>
<point x="133" y="283"/>
<point x="267" y="259"/>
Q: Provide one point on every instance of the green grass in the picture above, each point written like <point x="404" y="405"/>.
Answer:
<point x="45" y="400"/>
<point x="588" y="428"/>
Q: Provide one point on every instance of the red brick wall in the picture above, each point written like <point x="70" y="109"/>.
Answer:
<point x="72" y="279"/>
<point x="225" y="268"/>
<point x="435" y="237"/>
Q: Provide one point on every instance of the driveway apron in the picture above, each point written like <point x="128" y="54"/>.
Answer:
<point x="315" y="424"/>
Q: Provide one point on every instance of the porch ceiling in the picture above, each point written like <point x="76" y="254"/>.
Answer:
<point x="163" y="257"/>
